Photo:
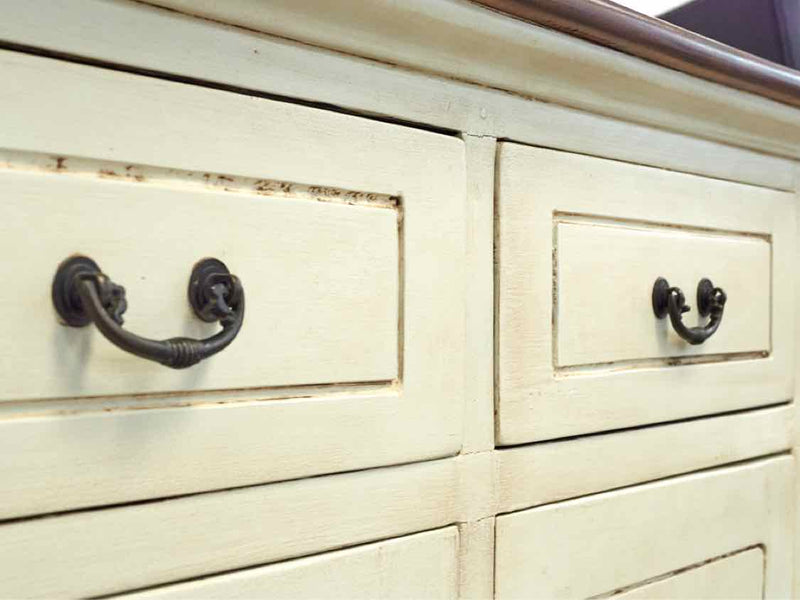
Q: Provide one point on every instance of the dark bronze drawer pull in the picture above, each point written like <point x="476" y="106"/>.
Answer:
<point x="82" y="294"/>
<point x="670" y="300"/>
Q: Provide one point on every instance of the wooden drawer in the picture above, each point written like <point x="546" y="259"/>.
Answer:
<point x="727" y="530"/>
<point x="581" y="242"/>
<point x="119" y="549"/>
<point x="347" y="234"/>
<point x="423" y="565"/>
<point x="740" y="575"/>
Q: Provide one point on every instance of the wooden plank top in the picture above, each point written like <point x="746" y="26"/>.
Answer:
<point x="614" y="26"/>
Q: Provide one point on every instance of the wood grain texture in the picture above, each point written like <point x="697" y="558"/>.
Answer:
<point x="738" y="576"/>
<point x="615" y="26"/>
<point x="119" y="549"/>
<point x="598" y="544"/>
<point x="94" y="457"/>
<point x="537" y="403"/>
<point x="469" y="42"/>
<point x="423" y="565"/>
<point x="549" y="472"/>
<point x="174" y="44"/>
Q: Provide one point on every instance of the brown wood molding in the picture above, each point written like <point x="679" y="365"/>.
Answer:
<point x="609" y="24"/>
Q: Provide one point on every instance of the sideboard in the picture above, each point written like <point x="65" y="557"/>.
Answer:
<point x="521" y="294"/>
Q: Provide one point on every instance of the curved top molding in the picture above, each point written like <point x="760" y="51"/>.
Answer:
<point x="469" y="42"/>
<point x="614" y="26"/>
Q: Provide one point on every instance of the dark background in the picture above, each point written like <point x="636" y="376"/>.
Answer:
<point x="767" y="28"/>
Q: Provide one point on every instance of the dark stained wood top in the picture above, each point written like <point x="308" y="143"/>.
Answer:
<point x="609" y="24"/>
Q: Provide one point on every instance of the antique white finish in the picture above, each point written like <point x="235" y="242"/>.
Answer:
<point x="472" y="43"/>
<point x="580" y="242"/>
<point x="321" y="268"/>
<point x="437" y="212"/>
<point x="137" y="546"/>
<point x="601" y="543"/>
<point x="416" y="566"/>
<point x="740" y="575"/>
<point x="138" y="36"/>
<point x="330" y="307"/>
<point x="537" y="474"/>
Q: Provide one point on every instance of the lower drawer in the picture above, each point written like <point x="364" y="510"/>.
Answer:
<point x="415" y="566"/>
<point x="152" y="545"/>
<point x="729" y="530"/>
<point x="740" y="575"/>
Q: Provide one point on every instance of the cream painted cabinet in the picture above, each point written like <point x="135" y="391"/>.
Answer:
<point x="347" y="235"/>
<point x="581" y="242"/>
<point x="726" y="529"/>
<point x="465" y="241"/>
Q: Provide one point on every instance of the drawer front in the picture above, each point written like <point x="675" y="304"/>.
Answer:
<point x="348" y="238"/>
<point x="91" y="553"/>
<point x="672" y="538"/>
<point x="416" y="566"/>
<point x="581" y="242"/>
<point x="738" y="576"/>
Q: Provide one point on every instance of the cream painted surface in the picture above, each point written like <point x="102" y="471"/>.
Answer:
<point x="142" y="36"/>
<point x="333" y="290"/>
<point x="617" y="263"/>
<point x="417" y="566"/>
<point x="466" y="41"/>
<point x="321" y="283"/>
<point x="476" y="559"/>
<point x="600" y="543"/>
<point x="422" y="226"/>
<point x="732" y="577"/>
<point x="796" y="404"/>
<point x="535" y="401"/>
<point x="479" y="354"/>
<point x="137" y="546"/>
<point x="549" y="472"/>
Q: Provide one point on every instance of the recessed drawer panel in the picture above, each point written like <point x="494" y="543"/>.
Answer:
<point x="629" y="295"/>
<point x="347" y="235"/>
<point x="320" y="277"/>
<point x="674" y="538"/>
<point x="617" y="262"/>
<point x="416" y="566"/>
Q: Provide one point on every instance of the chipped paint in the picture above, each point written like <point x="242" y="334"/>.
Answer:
<point x="165" y="177"/>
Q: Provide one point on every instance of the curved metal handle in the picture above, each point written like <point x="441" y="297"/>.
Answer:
<point x="83" y="294"/>
<point x="670" y="300"/>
